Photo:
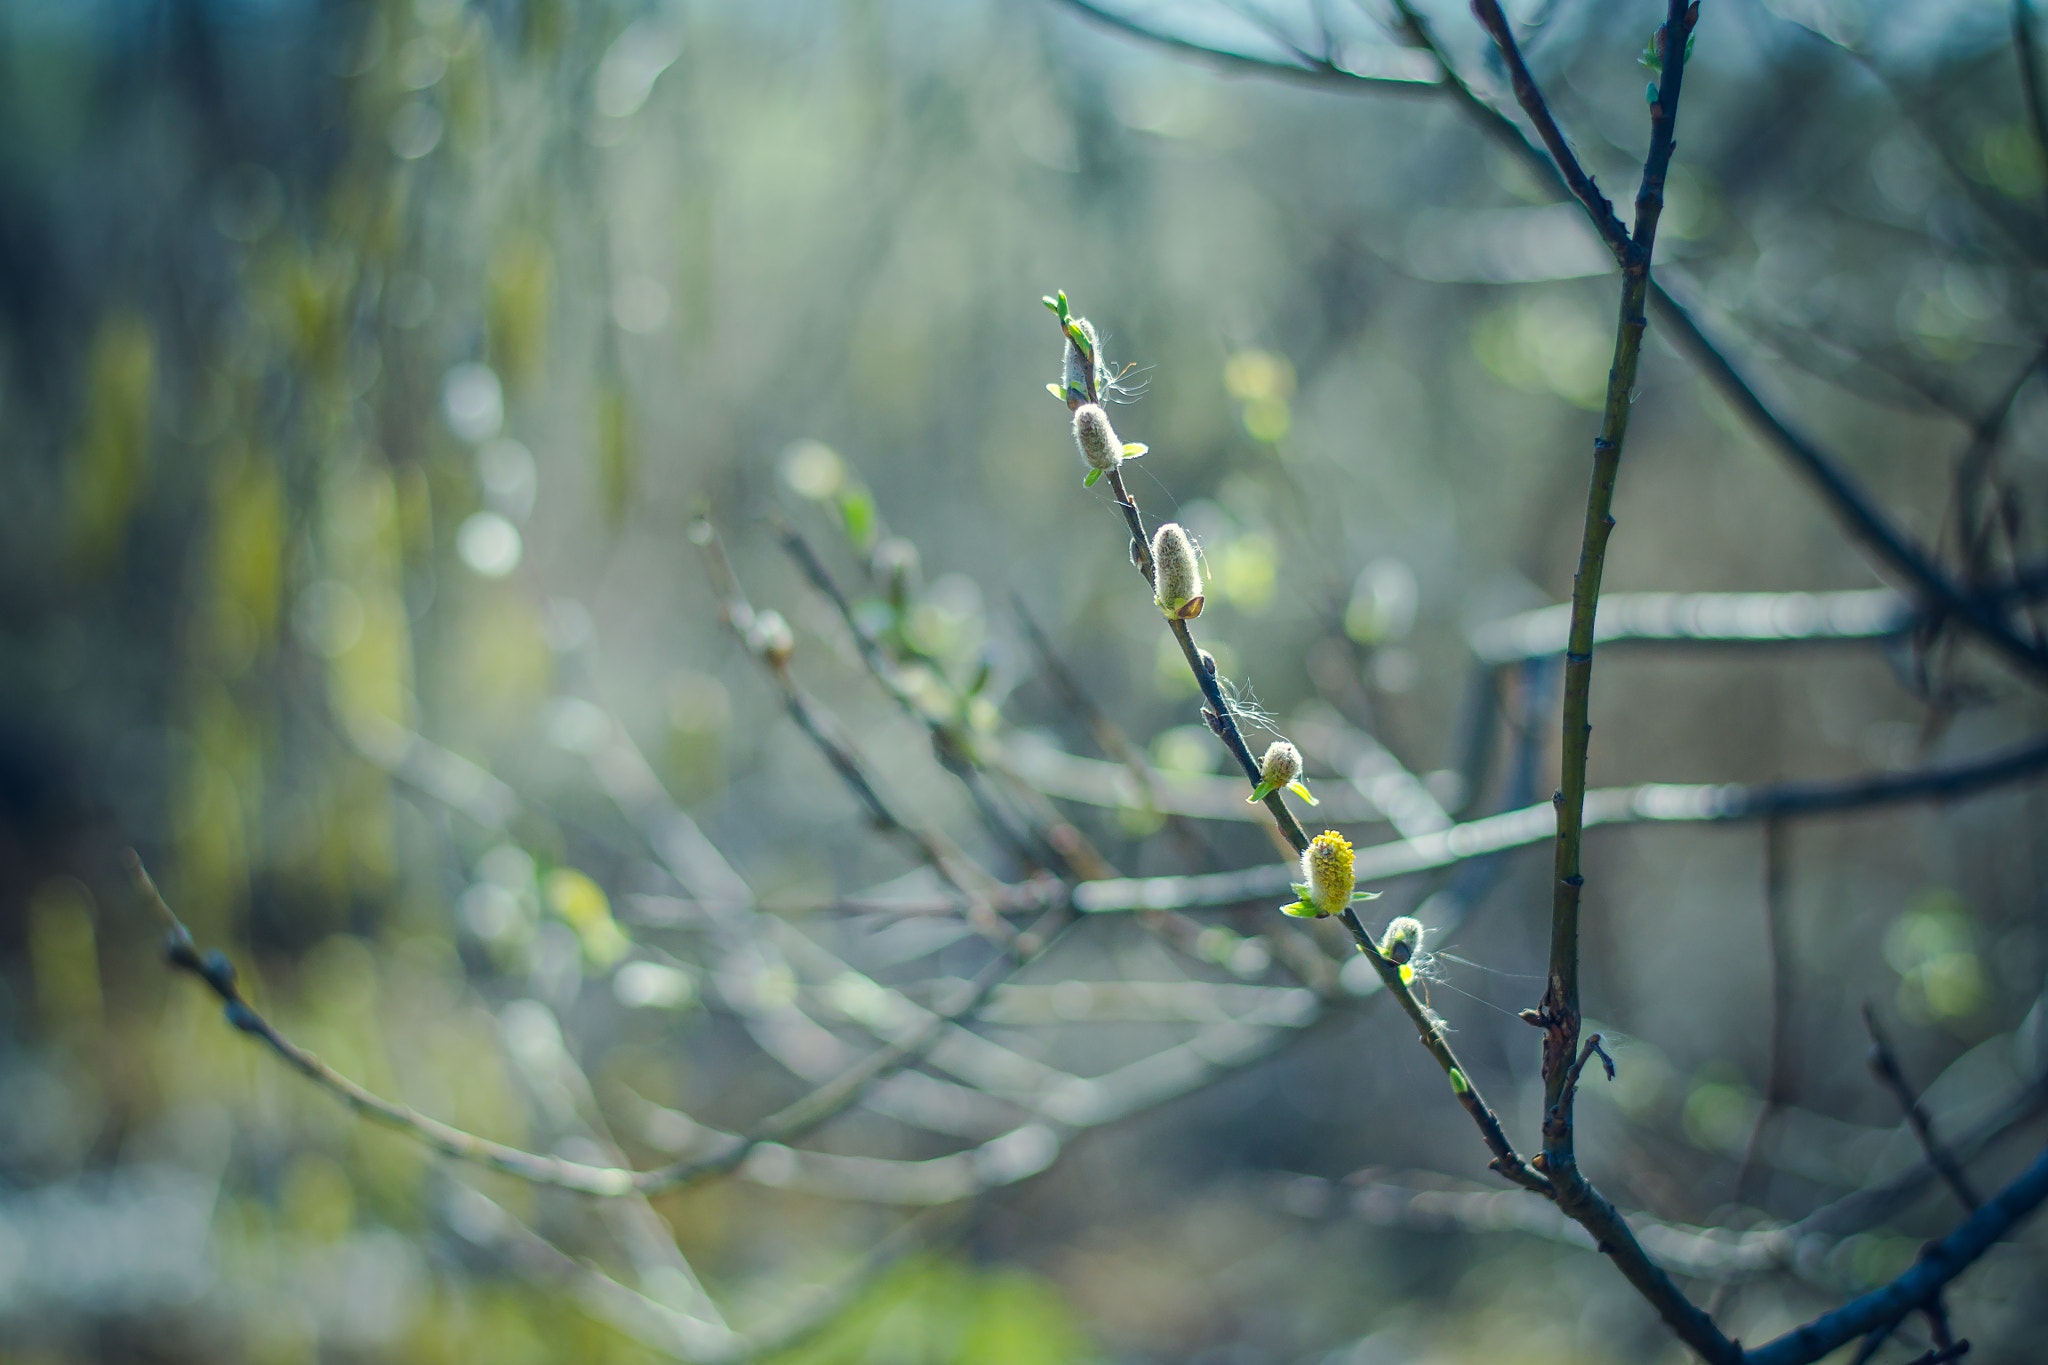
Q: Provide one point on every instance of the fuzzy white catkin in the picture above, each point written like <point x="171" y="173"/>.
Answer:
<point x="1281" y="765"/>
<point x="1097" y="438"/>
<point x="1326" y="869"/>
<point x="1176" y="578"/>
<point x="1402" y="942"/>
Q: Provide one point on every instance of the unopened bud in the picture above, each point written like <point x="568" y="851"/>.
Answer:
<point x="1097" y="438"/>
<point x="1401" y="944"/>
<point x="1402" y="940"/>
<point x="1176" y="578"/>
<point x="1281" y="767"/>
<point x="1099" y="444"/>
<point x="1082" y="379"/>
<point x="770" y="637"/>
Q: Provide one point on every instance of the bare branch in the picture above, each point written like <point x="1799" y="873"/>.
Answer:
<point x="1221" y="716"/>
<point x="1654" y="803"/>
<point x="814" y="1109"/>
<point x="1884" y="1064"/>
<point x="1308" y="70"/>
<point x="1939" y="1263"/>
<point x="1530" y="97"/>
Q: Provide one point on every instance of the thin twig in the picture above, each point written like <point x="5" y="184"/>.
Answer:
<point x="1942" y="1355"/>
<point x="1654" y="803"/>
<point x="1884" y="1064"/>
<point x="819" y="727"/>
<point x="1559" y="1013"/>
<point x="1530" y="97"/>
<point x="1109" y="735"/>
<point x="1433" y="1202"/>
<point x="1851" y="506"/>
<point x="1313" y="71"/>
<point x="952" y="746"/>
<point x="1777" y="936"/>
<point x="812" y="1110"/>
<point x="1940" y="1262"/>
<point x="1221" y="716"/>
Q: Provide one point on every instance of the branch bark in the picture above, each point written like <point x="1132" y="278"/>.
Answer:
<point x="1939" y="1263"/>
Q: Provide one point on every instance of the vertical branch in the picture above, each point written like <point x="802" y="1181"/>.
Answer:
<point x="1559" y="1013"/>
<point x="1884" y="1064"/>
<point x="1777" y="1080"/>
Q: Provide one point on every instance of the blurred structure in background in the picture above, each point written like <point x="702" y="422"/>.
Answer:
<point x="542" y="524"/>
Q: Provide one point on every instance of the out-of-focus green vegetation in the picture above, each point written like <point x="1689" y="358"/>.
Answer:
<point x="363" y="364"/>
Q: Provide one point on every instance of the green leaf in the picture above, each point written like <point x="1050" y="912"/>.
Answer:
<point x="1358" y="896"/>
<point x="1261" y="792"/>
<point x="857" y="511"/>
<point x="1057" y="392"/>
<point x="1134" y="449"/>
<point x="1301" y="910"/>
<point x="1089" y="479"/>
<point x="1300" y="789"/>
<point x="1459" y="1083"/>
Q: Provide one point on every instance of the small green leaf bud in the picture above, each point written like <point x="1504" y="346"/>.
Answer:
<point x="1459" y="1085"/>
<point x="1081" y="378"/>
<point x="1176" y="577"/>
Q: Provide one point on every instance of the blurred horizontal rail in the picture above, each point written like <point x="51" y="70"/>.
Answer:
<point x="1651" y="803"/>
<point x="1703" y="618"/>
<point x="1855" y="510"/>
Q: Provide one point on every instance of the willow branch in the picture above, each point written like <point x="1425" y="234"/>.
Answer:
<point x="1309" y="70"/>
<point x="1530" y="97"/>
<point x="952" y="746"/>
<point x="774" y="654"/>
<point x="1938" y="1264"/>
<point x="1559" y="1012"/>
<point x="1221" y="717"/>
<point x="1853" y="509"/>
<point x="1884" y="1063"/>
<point x="811" y="1111"/>
<point x="1652" y="803"/>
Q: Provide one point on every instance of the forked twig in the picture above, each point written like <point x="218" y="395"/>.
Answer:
<point x="826" y="1102"/>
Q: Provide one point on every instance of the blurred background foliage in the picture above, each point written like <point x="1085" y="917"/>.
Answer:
<point x="363" y="364"/>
